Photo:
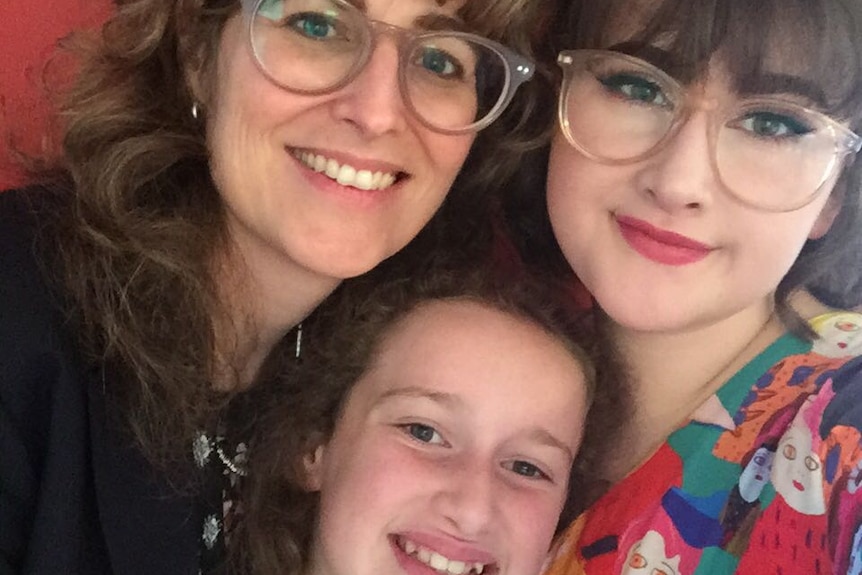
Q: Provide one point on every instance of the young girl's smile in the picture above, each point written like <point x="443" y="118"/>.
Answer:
<point x="453" y="452"/>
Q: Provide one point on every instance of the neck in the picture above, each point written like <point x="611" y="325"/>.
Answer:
<point x="677" y="368"/>
<point x="265" y="296"/>
<point x="674" y="373"/>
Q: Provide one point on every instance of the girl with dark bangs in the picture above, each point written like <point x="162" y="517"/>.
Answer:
<point x="703" y="185"/>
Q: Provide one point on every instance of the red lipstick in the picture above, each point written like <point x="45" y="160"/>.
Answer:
<point x="661" y="246"/>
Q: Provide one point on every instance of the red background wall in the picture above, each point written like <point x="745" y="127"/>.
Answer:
<point x="28" y="34"/>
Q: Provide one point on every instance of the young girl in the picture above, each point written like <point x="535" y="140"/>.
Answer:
<point x="435" y="434"/>
<point x="702" y="185"/>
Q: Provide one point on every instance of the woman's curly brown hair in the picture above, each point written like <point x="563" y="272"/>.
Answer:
<point x="138" y="236"/>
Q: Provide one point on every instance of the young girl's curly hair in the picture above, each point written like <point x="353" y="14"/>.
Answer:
<point x="306" y="398"/>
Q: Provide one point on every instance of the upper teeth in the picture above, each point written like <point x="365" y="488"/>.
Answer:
<point x="345" y="174"/>
<point x="440" y="563"/>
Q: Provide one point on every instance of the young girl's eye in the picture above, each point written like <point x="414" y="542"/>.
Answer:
<point x="526" y="469"/>
<point x="423" y="433"/>
<point x="773" y="125"/>
<point x="635" y="88"/>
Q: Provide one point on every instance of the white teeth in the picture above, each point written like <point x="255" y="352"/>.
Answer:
<point x="363" y="180"/>
<point x="440" y="563"/>
<point x="386" y="180"/>
<point x="346" y="175"/>
<point x="332" y="169"/>
<point x="319" y="163"/>
<point x="457" y="567"/>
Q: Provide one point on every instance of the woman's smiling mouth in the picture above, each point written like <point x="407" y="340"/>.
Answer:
<point x="344" y="173"/>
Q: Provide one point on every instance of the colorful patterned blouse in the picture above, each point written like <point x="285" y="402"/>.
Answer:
<point x="765" y="481"/>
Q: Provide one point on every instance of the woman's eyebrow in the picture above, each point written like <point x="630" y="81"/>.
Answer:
<point x="661" y="58"/>
<point x="430" y="21"/>
<point x="786" y="84"/>
<point x="441" y="22"/>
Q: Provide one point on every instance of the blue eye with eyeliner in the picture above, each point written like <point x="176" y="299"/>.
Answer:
<point x="773" y="125"/>
<point x="635" y="88"/>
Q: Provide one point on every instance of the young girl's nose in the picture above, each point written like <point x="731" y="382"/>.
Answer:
<point x="467" y="500"/>
<point x="682" y="175"/>
<point x="372" y="101"/>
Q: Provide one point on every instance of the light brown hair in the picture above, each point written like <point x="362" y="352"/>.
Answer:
<point x="137" y="237"/>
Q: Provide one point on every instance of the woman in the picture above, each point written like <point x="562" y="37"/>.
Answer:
<point x="225" y="166"/>
<point x="703" y="185"/>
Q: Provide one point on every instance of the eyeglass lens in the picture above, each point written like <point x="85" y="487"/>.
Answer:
<point x="450" y="80"/>
<point x="769" y="154"/>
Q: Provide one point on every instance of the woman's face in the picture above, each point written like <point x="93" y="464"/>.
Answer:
<point x="452" y="453"/>
<point x="262" y="139"/>
<point x="661" y="242"/>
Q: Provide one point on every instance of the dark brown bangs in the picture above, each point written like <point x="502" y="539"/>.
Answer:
<point x="778" y="45"/>
<point x="798" y="47"/>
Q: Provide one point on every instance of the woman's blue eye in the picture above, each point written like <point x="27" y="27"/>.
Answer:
<point x="314" y="25"/>
<point x="773" y="125"/>
<point x="423" y="433"/>
<point x="636" y="88"/>
<point x="439" y="62"/>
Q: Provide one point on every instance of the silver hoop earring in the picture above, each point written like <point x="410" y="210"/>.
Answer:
<point x="195" y="110"/>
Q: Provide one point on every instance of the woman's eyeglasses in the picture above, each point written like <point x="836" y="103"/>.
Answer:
<point x="770" y="153"/>
<point x="454" y="82"/>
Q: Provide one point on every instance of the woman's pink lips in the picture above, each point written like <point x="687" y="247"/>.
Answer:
<point x="661" y="246"/>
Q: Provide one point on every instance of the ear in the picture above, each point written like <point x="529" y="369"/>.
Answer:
<point x="312" y="467"/>
<point x="827" y="216"/>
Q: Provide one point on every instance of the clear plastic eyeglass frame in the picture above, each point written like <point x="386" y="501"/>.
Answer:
<point x="846" y="142"/>
<point x="518" y="69"/>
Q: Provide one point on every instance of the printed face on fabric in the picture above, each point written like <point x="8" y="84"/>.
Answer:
<point x="384" y="172"/>
<point x="452" y="453"/>
<point x="675" y="209"/>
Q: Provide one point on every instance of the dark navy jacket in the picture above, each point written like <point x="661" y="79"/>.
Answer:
<point x="75" y="494"/>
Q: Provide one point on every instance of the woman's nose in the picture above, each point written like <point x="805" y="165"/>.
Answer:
<point x="372" y="101"/>
<point x="682" y="175"/>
